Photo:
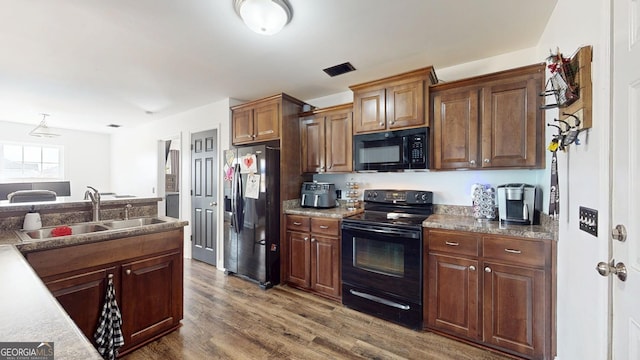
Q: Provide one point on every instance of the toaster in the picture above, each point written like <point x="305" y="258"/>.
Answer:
<point x="318" y="195"/>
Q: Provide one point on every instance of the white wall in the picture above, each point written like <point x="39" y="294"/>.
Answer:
<point x="584" y="180"/>
<point x="135" y="156"/>
<point x="87" y="155"/>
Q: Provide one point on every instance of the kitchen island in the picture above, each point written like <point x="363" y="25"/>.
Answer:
<point x="144" y="262"/>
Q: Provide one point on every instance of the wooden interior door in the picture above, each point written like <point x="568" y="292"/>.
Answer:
<point x="204" y="196"/>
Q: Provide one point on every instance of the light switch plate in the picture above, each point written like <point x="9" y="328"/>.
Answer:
<point x="588" y="219"/>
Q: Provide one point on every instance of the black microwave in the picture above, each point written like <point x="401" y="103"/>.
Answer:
<point x="392" y="150"/>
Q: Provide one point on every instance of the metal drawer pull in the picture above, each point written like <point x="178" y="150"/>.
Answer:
<point x="513" y="251"/>
<point x="451" y="243"/>
<point x="297" y="223"/>
<point x="380" y="300"/>
<point x="324" y="227"/>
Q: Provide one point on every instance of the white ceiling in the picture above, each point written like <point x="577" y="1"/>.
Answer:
<point x="89" y="63"/>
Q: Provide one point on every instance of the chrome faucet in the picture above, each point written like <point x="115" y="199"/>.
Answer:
<point x="126" y="211"/>
<point x="94" y="195"/>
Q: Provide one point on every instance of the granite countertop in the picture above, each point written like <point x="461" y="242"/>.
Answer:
<point x="29" y="313"/>
<point x="61" y="241"/>
<point x="468" y="223"/>
<point x="336" y="212"/>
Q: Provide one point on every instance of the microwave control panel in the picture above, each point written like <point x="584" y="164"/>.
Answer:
<point x="417" y="149"/>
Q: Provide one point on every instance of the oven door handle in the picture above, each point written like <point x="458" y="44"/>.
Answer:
<point x="380" y="300"/>
<point x="384" y="230"/>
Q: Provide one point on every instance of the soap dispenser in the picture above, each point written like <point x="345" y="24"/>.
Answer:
<point x="32" y="221"/>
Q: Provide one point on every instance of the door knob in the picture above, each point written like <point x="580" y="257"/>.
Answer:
<point x="606" y="269"/>
<point x="619" y="233"/>
<point x="128" y="271"/>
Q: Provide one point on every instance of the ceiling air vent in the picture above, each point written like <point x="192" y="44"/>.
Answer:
<point x="339" y="69"/>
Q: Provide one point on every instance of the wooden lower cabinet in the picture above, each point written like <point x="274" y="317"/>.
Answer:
<point x="82" y="296"/>
<point x="152" y="296"/>
<point x="314" y="254"/>
<point x="147" y="273"/>
<point x="492" y="290"/>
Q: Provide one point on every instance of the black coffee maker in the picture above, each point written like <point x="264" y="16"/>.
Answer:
<point x="519" y="204"/>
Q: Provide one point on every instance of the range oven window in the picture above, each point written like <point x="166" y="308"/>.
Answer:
<point x="381" y="257"/>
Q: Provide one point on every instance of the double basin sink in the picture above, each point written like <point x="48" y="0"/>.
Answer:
<point x="85" y="228"/>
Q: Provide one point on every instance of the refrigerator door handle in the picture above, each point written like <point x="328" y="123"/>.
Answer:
<point x="237" y="206"/>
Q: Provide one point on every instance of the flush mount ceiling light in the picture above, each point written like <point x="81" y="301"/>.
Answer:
<point x="43" y="130"/>
<point x="265" y="17"/>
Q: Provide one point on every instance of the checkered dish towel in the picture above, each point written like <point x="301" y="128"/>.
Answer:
<point x="108" y="336"/>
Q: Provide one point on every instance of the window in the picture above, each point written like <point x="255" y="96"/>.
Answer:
<point x="26" y="161"/>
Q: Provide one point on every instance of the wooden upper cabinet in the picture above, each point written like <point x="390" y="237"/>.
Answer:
<point x="253" y="122"/>
<point x="455" y="128"/>
<point x="265" y="120"/>
<point x="405" y="105"/>
<point x="492" y="121"/>
<point x="369" y="110"/>
<point x="513" y="118"/>
<point x="242" y="126"/>
<point x="326" y="140"/>
<point x="392" y="103"/>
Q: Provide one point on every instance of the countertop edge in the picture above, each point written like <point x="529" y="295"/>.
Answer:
<point x="38" y="316"/>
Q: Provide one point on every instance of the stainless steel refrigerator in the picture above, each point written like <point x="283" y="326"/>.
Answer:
<point x="252" y="213"/>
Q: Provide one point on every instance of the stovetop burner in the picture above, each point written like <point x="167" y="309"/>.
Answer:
<point x="395" y="208"/>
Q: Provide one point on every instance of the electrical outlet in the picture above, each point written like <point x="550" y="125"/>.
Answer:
<point x="588" y="219"/>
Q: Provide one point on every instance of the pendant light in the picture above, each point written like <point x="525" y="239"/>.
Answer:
<point x="43" y="130"/>
<point x="266" y="17"/>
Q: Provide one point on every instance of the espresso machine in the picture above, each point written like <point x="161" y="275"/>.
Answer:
<point x="519" y="204"/>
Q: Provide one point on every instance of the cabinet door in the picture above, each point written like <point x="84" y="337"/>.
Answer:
<point x="325" y="265"/>
<point x="514" y="308"/>
<point x="242" y="122"/>
<point x="512" y="129"/>
<point x="453" y="301"/>
<point x="369" y="111"/>
<point x="267" y="121"/>
<point x="299" y="258"/>
<point x="151" y="297"/>
<point x="455" y="129"/>
<point x="82" y="296"/>
<point x="405" y="105"/>
<point x="312" y="141"/>
<point x="339" y="142"/>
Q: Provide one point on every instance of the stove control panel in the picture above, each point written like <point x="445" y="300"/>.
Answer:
<point x="399" y="196"/>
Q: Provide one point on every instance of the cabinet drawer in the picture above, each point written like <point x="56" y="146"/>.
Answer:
<point x="452" y="242"/>
<point x="298" y="223"/>
<point x="325" y="226"/>
<point x="521" y="251"/>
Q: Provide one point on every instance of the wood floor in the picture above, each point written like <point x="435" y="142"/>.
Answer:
<point x="229" y="318"/>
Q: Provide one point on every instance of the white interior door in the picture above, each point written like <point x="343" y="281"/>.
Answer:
<point x="626" y="177"/>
